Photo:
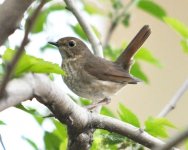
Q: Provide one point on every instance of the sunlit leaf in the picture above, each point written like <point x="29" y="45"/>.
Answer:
<point x="146" y="55"/>
<point x="152" y="8"/>
<point x="128" y="116"/>
<point x="52" y="141"/>
<point x="107" y="112"/>
<point x="184" y="44"/>
<point x="91" y="9"/>
<point x="2" y="123"/>
<point x="42" y="17"/>
<point x="178" y="26"/>
<point x="158" y="126"/>
<point x="137" y="72"/>
<point x="79" y="31"/>
<point x="28" y="63"/>
<point x="33" y="144"/>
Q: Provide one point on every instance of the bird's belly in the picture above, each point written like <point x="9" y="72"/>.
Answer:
<point x="93" y="89"/>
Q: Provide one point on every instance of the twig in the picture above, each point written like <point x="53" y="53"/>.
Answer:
<point x="11" y="66"/>
<point x="96" y="44"/>
<point x="180" y="137"/>
<point x="117" y="18"/>
<point x="172" y="104"/>
<point x="2" y="144"/>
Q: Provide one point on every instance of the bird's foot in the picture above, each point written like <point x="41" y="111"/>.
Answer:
<point x="99" y="103"/>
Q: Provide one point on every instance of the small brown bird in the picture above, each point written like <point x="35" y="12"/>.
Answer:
<point x="96" y="78"/>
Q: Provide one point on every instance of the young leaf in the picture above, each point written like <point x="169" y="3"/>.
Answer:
<point x="33" y="144"/>
<point x="52" y="141"/>
<point x="146" y="55"/>
<point x="2" y="123"/>
<point x="128" y="116"/>
<point x="152" y="8"/>
<point x="158" y="126"/>
<point x="137" y="72"/>
<point x="79" y="31"/>
<point x="184" y="44"/>
<point x="178" y="26"/>
<point x="42" y="17"/>
<point x="106" y="111"/>
<point x="28" y="63"/>
<point x="91" y="9"/>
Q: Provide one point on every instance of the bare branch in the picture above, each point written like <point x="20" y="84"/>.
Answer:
<point x="2" y="144"/>
<point x="78" y="119"/>
<point x="172" y="103"/>
<point x="180" y="137"/>
<point x="116" y="19"/>
<point x="96" y="44"/>
<point x="13" y="10"/>
<point x="10" y="68"/>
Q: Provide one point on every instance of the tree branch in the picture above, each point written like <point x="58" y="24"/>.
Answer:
<point x="96" y="44"/>
<point x="173" y="141"/>
<point x="13" y="10"/>
<point x="10" y="67"/>
<point x="117" y="18"/>
<point x="78" y="119"/>
<point x="172" y="103"/>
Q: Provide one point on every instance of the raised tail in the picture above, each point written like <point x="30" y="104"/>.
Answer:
<point x="125" y="58"/>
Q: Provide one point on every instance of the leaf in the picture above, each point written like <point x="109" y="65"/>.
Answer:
<point x="2" y="123"/>
<point x="91" y="9"/>
<point x="146" y="55"/>
<point x="28" y="63"/>
<point x="178" y="26"/>
<point x="117" y="4"/>
<point x="113" y="138"/>
<point x="107" y="112"/>
<point x="157" y="126"/>
<point x="128" y="116"/>
<point x="42" y="17"/>
<point x="52" y="141"/>
<point x="79" y="31"/>
<point x="33" y="144"/>
<point x="137" y="72"/>
<point x="126" y="20"/>
<point x="184" y="44"/>
<point x="152" y="8"/>
<point x="186" y="144"/>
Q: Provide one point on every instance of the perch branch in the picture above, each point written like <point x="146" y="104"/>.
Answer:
<point x="77" y="118"/>
<point x="96" y="44"/>
<point x="10" y="67"/>
<point x="172" y="103"/>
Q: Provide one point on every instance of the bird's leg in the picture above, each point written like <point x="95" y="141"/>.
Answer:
<point x="104" y="101"/>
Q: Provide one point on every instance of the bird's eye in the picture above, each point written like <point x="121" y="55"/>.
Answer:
<point x="71" y="43"/>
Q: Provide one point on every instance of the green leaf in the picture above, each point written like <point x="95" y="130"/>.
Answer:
<point x="33" y="144"/>
<point x="152" y="8"/>
<point x="184" y="44"/>
<point x="91" y="9"/>
<point x="79" y="31"/>
<point x="106" y="111"/>
<point x="28" y="63"/>
<point x="42" y="17"/>
<point x="178" y="26"/>
<point x="128" y="116"/>
<point x="146" y="55"/>
<point x="117" y="4"/>
<point x="52" y="141"/>
<point x="137" y="72"/>
<point x="157" y="126"/>
<point x="2" y="123"/>
<point x="186" y="144"/>
<point x="113" y="138"/>
<point x="112" y="53"/>
<point x="126" y="20"/>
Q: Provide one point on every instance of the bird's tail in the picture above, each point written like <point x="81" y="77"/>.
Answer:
<point x="125" y="58"/>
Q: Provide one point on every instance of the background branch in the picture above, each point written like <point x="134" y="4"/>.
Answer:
<point x="13" y="10"/>
<point x="116" y="19"/>
<point x="96" y="44"/>
<point x="180" y="137"/>
<point x="172" y="103"/>
<point x="10" y="67"/>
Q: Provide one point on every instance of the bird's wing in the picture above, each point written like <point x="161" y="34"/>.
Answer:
<point x="108" y="71"/>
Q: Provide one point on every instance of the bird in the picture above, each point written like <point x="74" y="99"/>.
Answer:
<point x="93" y="77"/>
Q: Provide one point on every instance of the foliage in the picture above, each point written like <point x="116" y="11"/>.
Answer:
<point x="28" y="63"/>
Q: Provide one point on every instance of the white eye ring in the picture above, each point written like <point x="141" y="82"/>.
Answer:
<point x="71" y="43"/>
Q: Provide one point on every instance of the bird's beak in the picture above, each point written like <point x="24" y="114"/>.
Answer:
<point x="53" y="43"/>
